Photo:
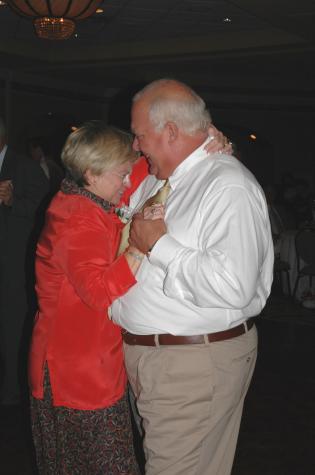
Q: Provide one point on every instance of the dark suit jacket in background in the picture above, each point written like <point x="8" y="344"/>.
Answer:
<point x="30" y="186"/>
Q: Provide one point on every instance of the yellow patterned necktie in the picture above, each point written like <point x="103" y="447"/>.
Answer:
<point x="160" y="197"/>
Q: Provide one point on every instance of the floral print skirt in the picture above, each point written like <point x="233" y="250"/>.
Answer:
<point x="82" y="442"/>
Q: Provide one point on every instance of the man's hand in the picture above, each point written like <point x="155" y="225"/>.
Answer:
<point x="155" y="211"/>
<point x="6" y="192"/>
<point x="144" y="233"/>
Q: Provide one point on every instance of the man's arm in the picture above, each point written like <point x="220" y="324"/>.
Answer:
<point x="234" y="240"/>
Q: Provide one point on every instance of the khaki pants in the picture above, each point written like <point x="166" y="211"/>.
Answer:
<point x="191" y="399"/>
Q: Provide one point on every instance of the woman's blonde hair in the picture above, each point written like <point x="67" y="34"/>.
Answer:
<point x="97" y="147"/>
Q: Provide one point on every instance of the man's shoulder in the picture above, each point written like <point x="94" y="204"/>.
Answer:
<point x="26" y="173"/>
<point x="227" y="171"/>
<point x="20" y="160"/>
<point x="14" y="154"/>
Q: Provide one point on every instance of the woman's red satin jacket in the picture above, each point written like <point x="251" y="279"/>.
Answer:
<point x="77" y="279"/>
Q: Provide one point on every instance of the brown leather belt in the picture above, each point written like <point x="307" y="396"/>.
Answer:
<point x="167" y="339"/>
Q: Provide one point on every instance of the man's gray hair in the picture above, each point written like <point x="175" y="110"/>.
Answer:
<point x="3" y="130"/>
<point x="188" y="111"/>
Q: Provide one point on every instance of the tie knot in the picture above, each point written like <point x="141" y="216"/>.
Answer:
<point x="162" y="194"/>
<point x="166" y="184"/>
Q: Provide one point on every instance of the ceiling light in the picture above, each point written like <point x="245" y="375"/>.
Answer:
<point x="227" y="20"/>
<point x="99" y="10"/>
<point x="2" y="4"/>
<point x="253" y="136"/>
<point x="55" y="20"/>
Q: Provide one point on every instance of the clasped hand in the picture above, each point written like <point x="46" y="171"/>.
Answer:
<point x="147" y="228"/>
<point x="6" y="192"/>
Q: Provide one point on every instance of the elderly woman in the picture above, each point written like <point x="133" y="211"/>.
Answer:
<point x="79" y="409"/>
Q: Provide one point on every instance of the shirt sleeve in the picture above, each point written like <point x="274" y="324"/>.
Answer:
<point x="233" y="241"/>
<point x="86" y="256"/>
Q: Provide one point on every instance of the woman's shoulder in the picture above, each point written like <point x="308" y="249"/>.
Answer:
<point x="75" y="206"/>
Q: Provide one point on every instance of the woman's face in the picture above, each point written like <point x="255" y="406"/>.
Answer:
<point x="111" y="184"/>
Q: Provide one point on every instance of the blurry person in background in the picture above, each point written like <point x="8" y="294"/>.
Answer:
<point x="39" y="150"/>
<point x="303" y="203"/>
<point x="23" y="186"/>
<point x="275" y="215"/>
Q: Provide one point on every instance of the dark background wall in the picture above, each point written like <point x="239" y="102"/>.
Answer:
<point x="284" y="135"/>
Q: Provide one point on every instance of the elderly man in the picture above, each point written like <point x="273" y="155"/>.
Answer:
<point x="189" y="339"/>
<point x="22" y="187"/>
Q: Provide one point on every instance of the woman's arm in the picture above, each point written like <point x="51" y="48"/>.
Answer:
<point x="86" y="254"/>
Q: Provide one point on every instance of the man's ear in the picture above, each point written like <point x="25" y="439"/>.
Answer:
<point x="172" y="131"/>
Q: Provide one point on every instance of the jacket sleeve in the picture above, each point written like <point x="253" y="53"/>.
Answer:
<point x="86" y="253"/>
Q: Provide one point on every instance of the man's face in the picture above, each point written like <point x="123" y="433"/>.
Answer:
<point x="150" y="143"/>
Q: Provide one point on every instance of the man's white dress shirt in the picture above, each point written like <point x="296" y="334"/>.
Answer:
<point x="213" y="269"/>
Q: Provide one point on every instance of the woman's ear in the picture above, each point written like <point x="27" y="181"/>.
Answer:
<point x="89" y="177"/>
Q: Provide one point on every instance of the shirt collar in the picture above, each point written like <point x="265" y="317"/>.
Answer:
<point x="185" y="166"/>
<point x="2" y="155"/>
